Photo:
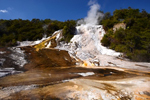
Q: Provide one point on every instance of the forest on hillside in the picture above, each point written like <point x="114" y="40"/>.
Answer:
<point x="134" y="41"/>
<point x="12" y="31"/>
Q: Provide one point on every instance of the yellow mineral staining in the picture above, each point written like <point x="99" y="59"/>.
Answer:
<point x="92" y="64"/>
<point x="84" y="64"/>
<point x="44" y="43"/>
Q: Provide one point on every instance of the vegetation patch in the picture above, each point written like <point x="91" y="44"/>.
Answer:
<point x="15" y="30"/>
<point x="134" y="41"/>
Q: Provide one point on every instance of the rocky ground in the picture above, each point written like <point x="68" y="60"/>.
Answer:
<point x="51" y="74"/>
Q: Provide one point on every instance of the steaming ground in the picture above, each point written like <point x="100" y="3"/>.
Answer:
<point x="86" y="46"/>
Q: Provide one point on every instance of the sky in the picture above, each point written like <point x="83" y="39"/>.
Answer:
<point x="62" y="10"/>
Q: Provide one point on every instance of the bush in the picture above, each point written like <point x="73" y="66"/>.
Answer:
<point x="106" y="40"/>
<point x="140" y="55"/>
<point x="69" y="30"/>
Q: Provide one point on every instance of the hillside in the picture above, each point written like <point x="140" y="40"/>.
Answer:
<point x="133" y="39"/>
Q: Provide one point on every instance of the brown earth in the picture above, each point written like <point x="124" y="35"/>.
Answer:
<point x="47" y="58"/>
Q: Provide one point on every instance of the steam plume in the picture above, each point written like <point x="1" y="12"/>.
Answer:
<point x="93" y="14"/>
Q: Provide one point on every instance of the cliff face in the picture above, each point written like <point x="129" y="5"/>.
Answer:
<point x="119" y="25"/>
